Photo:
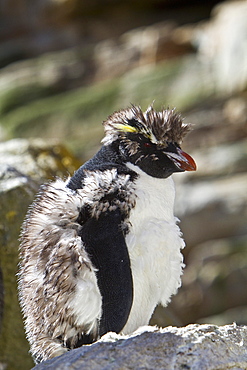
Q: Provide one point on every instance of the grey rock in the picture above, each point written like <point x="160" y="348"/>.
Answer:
<point x="1" y="297"/>
<point x="213" y="285"/>
<point x="204" y="347"/>
<point x="25" y="81"/>
<point x="216" y="208"/>
<point x="222" y="46"/>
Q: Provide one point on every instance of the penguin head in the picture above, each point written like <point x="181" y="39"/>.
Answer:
<point x="150" y="140"/>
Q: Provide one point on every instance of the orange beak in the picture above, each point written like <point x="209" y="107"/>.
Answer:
<point x="182" y="160"/>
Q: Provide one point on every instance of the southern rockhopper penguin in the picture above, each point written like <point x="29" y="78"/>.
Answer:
<point x="99" y="251"/>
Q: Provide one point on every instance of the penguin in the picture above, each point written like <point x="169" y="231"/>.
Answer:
<point x="101" y="249"/>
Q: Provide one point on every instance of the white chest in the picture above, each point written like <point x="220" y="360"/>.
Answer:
<point x="154" y="245"/>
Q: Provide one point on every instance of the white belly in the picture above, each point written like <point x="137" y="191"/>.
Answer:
<point x="154" y="245"/>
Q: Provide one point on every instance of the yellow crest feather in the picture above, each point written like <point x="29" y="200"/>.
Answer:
<point x="125" y="128"/>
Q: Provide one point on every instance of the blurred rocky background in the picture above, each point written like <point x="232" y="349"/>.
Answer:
<point x="65" y="66"/>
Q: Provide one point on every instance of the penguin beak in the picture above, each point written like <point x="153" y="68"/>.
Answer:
<point x="182" y="160"/>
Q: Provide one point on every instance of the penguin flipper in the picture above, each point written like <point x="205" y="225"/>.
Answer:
<point x="109" y="198"/>
<point x="105" y="244"/>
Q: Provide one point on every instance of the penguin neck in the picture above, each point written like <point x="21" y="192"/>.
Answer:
<point x="106" y="158"/>
<point x="109" y="155"/>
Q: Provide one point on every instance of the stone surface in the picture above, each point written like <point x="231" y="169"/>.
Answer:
<point x="214" y="283"/>
<point x="57" y="94"/>
<point x="28" y="30"/>
<point x="1" y="298"/>
<point x="194" y="347"/>
<point x="222" y="46"/>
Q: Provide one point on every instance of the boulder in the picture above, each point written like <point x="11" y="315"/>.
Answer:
<point x="204" y="347"/>
<point x="222" y="46"/>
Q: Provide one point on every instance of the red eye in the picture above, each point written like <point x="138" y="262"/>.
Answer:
<point x="147" y="145"/>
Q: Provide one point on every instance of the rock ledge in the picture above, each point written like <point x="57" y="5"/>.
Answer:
<point x="204" y="347"/>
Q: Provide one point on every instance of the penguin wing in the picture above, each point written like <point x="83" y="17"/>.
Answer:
<point x="75" y="268"/>
<point x="105" y="245"/>
<point x="103" y="230"/>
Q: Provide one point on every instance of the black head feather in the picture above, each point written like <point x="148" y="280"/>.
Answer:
<point x="159" y="127"/>
<point x="150" y="140"/>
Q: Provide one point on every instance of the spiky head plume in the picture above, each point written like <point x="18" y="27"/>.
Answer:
<point x="159" y="127"/>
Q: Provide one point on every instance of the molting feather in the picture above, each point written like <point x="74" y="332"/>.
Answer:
<point x="160" y="127"/>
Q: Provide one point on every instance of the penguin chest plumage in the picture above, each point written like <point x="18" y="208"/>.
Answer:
<point x="154" y="243"/>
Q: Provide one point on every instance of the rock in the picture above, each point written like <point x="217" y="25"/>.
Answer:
<point x="24" y="165"/>
<point x="213" y="284"/>
<point x="53" y="25"/>
<point x="74" y="117"/>
<point x="53" y="73"/>
<point x="139" y="47"/>
<point x="62" y="89"/>
<point x="215" y="195"/>
<point x="34" y="160"/>
<point x="217" y="122"/>
<point x="222" y="46"/>
<point x="204" y="347"/>
<point x="1" y="298"/>
<point x="219" y="204"/>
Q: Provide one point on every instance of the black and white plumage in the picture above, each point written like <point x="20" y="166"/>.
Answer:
<point x="101" y="250"/>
